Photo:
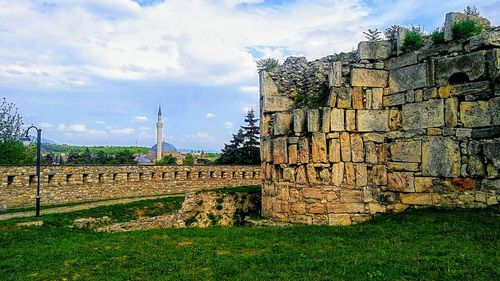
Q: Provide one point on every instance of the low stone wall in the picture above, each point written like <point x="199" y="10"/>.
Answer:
<point x="67" y="184"/>
<point x="380" y="131"/>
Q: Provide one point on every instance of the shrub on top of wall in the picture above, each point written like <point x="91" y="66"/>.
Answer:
<point x="267" y="64"/>
<point x="413" y="39"/>
<point x="438" y="36"/>
<point x="466" y="28"/>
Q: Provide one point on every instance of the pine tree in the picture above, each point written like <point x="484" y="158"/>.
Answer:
<point x="251" y="131"/>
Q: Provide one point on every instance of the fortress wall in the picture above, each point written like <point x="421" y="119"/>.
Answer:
<point x="69" y="184"/>
<point x="375" y="132"/>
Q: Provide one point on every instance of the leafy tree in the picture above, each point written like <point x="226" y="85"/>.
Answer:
<point x="124" y="157"/>
<point x="392" y="32"/>
<point x="413" y="39"/>
<point x="13" y="152"/>
<point x="10" y="122"/>
<point x="188" y="159"/>
<point x="48" y="159"/>
<point x="167" y="160"/>
<point x="267" y="64"/>
<point x="102" y="158"/>
<point x="472" y="11"/>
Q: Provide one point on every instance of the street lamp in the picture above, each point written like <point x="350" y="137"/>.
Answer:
<point x="26" y="142"/>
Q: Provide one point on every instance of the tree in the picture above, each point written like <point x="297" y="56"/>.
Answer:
<point x="13" y="152"/>
<point x="125" y="157"/>
<point x="251" y="130"/>
<point x="373" y="35"/>
<point x="167" y="160"/>
<point x="48" y="159"/>
<point x="188" y="159"/>
<point x="10" y="122"/>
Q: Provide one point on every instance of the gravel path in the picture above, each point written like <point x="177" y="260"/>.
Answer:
<point x="79" y="207"/>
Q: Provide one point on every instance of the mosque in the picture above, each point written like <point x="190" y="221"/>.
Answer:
<point x="162" y="148"/>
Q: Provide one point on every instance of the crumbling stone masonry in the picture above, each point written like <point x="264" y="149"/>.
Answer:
<point x="379" y="131"/>
<point x="68" y="184"/>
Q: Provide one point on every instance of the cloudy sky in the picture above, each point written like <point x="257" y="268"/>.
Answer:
<point x="93" y="72"/>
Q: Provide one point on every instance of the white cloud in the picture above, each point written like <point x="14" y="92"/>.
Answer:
<point x="210" y="115"/>
<point x="100" y="122"/>
<point x="46" y="125"/>
<point x="227" y="125"/>
<point x="122" y="132"/>
<point x="250" y="89"/>
<point x="140" y="119"/>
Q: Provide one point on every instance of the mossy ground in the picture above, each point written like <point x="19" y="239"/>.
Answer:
<point x="423" y="244"/>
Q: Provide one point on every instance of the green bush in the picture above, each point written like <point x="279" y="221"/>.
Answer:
<point x="465" y="29"/>
<point x="267" y="64"/>
<point x="412" y="40"/>
<point x="438" y="36"/>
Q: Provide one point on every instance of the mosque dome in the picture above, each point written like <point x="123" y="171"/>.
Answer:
<point x="166" y="147"/>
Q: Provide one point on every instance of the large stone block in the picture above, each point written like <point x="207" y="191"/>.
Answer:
<point x="424" y="114"/>
<point x="451" y="112"/>
<point x="357" y="149"/>
<point x="472" y="65"/>
<point x="400" y="181"/>
<point x="344" y="96"/>
<point x="350" y="120"/>
<point x="299" y="120"/>
<point x="345" y="146"/>
<point x="266" y="150"/>
<point x="406" y="151"/>
<point x="440" y="157"/>
<point x="491" y="151"/>
<point x="303" y="150"/>
<point x="453" y="17"/>
<point x="280" y="151"/>
<point x="334" y="150"/>
<point x="361" y="174"/>
<point x="373" y="120"/>
<point x="475" y="114"/>
<point x="337" y="119"/>
<point x="408" y="78"/>
<point x="369" y="78"/>
<point x="472" y="91"/>
<point x="318" y="150"/>
<point x="379" y="175"/>
<point x="276" y="103"/>
<point x="325" y="119"/>
<point x="374" y="50"/>
<point x="338" y="173"/>
<point x="335" y="74"/>
<point x="402" y="61"/>
<point x="484" y="40"/>
<point x="357" y="98"/>
<point x="313" y="120"/>
<point x="292" y="154"/>
<point x="282" y="123"/>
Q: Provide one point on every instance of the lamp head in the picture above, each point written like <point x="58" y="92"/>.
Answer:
<point x="26" y="140"/>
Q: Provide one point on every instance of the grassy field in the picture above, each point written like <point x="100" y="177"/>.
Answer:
<point x="424" y="244"/>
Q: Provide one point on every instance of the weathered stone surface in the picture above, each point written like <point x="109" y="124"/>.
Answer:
<point x="357" y="149"/>
<point x="400" y="181"/>
<point x="334" y="150"/>
<point x="276" y="103"/>
<point x="374" y="137"/>
<point x="424" y="114"/>
<point x="451" y="112"/>
<point x="394" y="99"/>
<point x="289" y="174"/>
<point x="280" y="151"/>
<point x="337" y="173"/>
<point x="350" y="175"/>
<point x="408" y="78"/>
<point x="324" y="175"/>
<point x="379" y="175"/>
<point x="373" y="120"/>
<point x="339" y="208"/>
<point x="265" y="125"/>
<point x="312" y="176"/>
<point x="472" y="91"/>
<point x="491" y="151"/>
<point x="444" y="91"/>
<point x="371" y="152"/>
<point x="453" y="17"/>
<point x="357" y="98"/>
<point x="335" y="74"/>
<point x="337" y="119"/>
<point x="406" y="151"/>
<point x="339" y="219"/>
<point x="430" y="93"/>
<point x="473" y="65"/>
<point x="266" y="150"/>
<point x="377" y="97"/>
<point x="318" y="147"/>
<point x="394" y="119"/>
<point x="292" y="154"/>
<point x="299" y="120"/>
<point x="416" y="198"/>
<point x="475" y="114"/>
<point x="312" y="120"/>
<point x="325" y="119"/>
<point x="423" y="184"/>
<point x="484" y="40"/>
<point x="402" y="61"/>
<point x="345" y="145"/>
<point x="440" y="157"/>
<point x="403" y="166"/>
<point x="493" y="58"/>
<point x="351" y="196"/>
<point x="313" y="193"/>
<point x="303" y="150"/>
<point x="371" y="50"/>
<point x="361" y="174"/>
<point x="282" y="123"/>
<point x="344" y="96"/>
<point x="301" y="177"/>
<point x="368" y="77"/>
<point x="350" y="120"/>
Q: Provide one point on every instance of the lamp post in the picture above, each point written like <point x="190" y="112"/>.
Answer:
<point x="27" y="141"/>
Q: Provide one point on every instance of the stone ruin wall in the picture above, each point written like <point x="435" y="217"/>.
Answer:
<point x="69" y="184"/>
<point x="380" y="131"/>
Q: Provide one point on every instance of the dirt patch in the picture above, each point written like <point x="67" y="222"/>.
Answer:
<point x="184" y="243"/>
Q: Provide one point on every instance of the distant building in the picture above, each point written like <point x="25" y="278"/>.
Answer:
<point x="161" y="148"/>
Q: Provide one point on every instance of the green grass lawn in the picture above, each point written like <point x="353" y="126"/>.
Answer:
<point x="420" y="244"/>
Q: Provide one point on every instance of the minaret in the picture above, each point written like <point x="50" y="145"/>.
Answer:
<point x="159" y="135"/>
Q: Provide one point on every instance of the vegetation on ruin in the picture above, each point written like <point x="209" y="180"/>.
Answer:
<point x="423" y="244"/>
<point x="267" y="64"/>
<point x="373" y="35"/>
<point x="465" y="29"/>
<point x="438" y="36"/>
<point x="166" y="160"/>
<point x="413" y="39"/>
<point x="391" y="33"/>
